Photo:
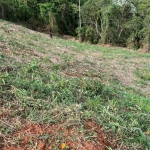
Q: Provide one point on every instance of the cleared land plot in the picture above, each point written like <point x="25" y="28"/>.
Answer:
<point x="99" y="94"/>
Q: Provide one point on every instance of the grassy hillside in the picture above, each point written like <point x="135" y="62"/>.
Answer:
<point x="88" y="96"/>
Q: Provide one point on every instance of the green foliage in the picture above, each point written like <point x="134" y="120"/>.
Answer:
<point x="135" y="28"/>
<point x="123" y="23"/>
<point x="38" y="85"/>
<point x="145" y="75"/>
<point x="107" y="21"/>
<point x="62" y="14"/>
<point x="45" y="10"/>
<point x="92" y="12"/>
<point x="80" y="33"/>
<point x="7" y="10"/>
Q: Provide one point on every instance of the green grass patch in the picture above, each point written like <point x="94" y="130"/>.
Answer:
<point x="33" y="92"/>
<point x="39" y="96"/>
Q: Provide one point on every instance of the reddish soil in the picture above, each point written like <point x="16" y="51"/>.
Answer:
<point x="49" y="137"/>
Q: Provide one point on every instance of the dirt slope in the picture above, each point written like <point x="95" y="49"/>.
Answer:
<point x="71" y="58"/>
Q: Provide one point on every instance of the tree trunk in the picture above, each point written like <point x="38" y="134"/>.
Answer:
<point x="2" y="12"/>
<point x="96" y="26"/>
<point x="80" y="39"/>
<point x="148" y="42"/>
<point x="120" y="33"/>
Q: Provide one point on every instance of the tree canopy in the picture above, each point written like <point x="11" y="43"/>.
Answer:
<point x="117" y="22"/>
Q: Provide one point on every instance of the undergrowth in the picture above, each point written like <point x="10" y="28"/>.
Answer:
<point x="47" y="97"/>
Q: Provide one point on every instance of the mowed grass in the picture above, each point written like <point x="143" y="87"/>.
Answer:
<point x="52" y="81"/>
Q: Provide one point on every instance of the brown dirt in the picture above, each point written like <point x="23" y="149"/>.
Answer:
<point x="49" y="137"/>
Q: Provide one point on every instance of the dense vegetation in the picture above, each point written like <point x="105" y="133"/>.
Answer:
<point x="116" y="22"/>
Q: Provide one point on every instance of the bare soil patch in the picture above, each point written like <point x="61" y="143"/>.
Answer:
<point x="49" y="137"/>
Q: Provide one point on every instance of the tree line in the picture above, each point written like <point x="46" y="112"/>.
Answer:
<point x="117" y="22"/>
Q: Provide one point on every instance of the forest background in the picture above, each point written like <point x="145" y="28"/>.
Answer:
<point x="124" y="23"/>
